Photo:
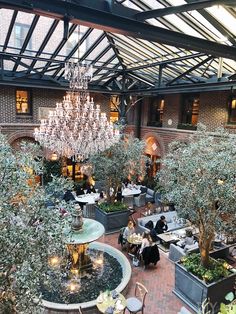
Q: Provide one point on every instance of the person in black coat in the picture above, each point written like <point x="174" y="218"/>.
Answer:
<point x="68" y="196"/>
<point x="151" y="254"/>
<point x="79" y="190"/>
<point x="91" y="189"/>
<point x="161" y="225"/>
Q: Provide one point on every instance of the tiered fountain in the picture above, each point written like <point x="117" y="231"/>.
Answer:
<point x="91" y="267"/>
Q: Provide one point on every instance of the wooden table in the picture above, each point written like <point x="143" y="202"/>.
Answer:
<point x="107" y="300"/>
<point x="174" y="236"/>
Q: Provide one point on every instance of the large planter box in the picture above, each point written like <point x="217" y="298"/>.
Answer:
<point x="112" y="221"/>
<point x="194" y="291"/>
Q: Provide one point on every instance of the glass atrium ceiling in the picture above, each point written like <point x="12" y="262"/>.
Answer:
<point x="134" y="45"/>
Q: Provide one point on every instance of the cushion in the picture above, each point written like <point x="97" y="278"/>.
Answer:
<point x="150" y="192"/>
<point x="134" y="305"/>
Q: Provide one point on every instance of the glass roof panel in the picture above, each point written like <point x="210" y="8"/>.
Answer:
<point x="55" y="38"/>
<point x="97" y="50"/>
<point x="42" y="28"/>
<point x="224" y="17"/>
<point x="5" y="18"/>
<point x="107" y="55"/>
<point x="180" y="25"/>
<point x="20" y="31"/>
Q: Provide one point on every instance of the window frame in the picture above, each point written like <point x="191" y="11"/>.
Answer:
<point x="186" y="119"/>
<point x="154" y="107"/>
<point x="29" y="102"/>
<point x="231" y="98"/>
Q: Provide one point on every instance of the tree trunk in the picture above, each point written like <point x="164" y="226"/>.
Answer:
<point x="205" y="241"/>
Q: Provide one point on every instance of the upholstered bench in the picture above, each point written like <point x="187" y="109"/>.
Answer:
<point x="150" y="196"/>
<point x="172" y="220"/>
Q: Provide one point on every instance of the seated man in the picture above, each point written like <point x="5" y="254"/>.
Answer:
<point x="161" y="225"/>
<point x="188" y="241"/>
<point x="68" y="196"/>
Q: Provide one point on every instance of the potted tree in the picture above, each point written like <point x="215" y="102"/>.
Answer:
<point x="30" y="233"/>
<point x="199" y="177"/>
<point x="124" y="159"/>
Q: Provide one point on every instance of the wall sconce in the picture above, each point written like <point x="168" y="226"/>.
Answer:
<point x="54" y="157"/>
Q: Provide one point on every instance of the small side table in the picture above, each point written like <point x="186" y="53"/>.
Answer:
<point x="107" y="301"/>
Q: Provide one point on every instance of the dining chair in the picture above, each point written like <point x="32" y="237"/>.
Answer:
<point x="129" y="201"/>
<point x="137" y="303"/>
<point x="140" y="200"/>
<point x="89" y="211"/>
<point x="80" y="310"/>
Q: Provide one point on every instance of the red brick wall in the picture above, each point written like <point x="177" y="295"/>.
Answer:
<point x="19" y="126"/>
<point x="212" y="112"/>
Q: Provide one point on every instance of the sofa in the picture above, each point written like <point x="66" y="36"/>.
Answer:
<point x="176" y="252"/>
<point x="150" y="196"/>
<point x="172" y="220"/>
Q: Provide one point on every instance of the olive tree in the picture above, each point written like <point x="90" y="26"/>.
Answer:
<point x="30" y="232"/>
<point x="200" y="178"/>
<point x="125" y="158"/>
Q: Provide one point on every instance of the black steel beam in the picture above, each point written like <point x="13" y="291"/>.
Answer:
<point x="185" y="88"/>
<point x="167" y="61"/>
<point x="121" y="20"/>
<point x="114" y="48"/>
<point x="59" y="47"/>
<point x="190" y="70"/>
<point x="76" y="47"/>
<point x="197" y="5"/>
<point x="44" y="43"/>
<point x="27" y="39"/>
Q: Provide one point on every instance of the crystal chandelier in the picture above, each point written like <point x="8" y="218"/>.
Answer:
<point x="77" y="128"/>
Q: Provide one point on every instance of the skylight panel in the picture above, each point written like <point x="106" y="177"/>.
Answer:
<point x="5" y="18"/>
<point x="182" y="26"/>
<point x="224" y="17"/>
<point x="154" y="4"/>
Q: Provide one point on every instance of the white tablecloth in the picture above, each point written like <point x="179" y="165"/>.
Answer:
<point x="129" y="191"/>
<point x="88" y="198"/>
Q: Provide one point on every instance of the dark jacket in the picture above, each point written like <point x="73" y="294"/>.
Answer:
<point x="151" y="254"/>
<point x="68" y="196"/>
<point x="161" y="226"/>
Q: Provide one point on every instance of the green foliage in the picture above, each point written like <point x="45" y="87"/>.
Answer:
<point x="51" y="168"/>
<point x="149" y="182"/>
<point x="125" y="158"/>
<point x="30" y="233"/>
<point x="228" y="308"/>
<point x="216" y="270"/>
<point x="112" y="207"/>
<point x="199" y="178"/>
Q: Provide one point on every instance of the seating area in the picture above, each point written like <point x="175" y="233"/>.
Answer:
<point x="172" y="220"/>
<point x="117" y="159"/>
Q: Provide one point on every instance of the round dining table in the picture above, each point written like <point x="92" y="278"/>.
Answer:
<point x="105" y="301"/>
<point x="131" y="191"/>
<point x="88" y="198"/>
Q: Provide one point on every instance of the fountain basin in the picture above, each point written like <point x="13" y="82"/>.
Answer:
<point x="90" y="306"/>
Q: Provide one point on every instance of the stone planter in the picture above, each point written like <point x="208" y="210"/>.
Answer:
<point x="194" y="291"/>
<point x="112" y="221"/>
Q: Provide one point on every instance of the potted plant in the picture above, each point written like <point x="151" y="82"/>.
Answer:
<point x="124" y="159"/>
<point x="199" y="177"/>
<point x="30" y="233"/>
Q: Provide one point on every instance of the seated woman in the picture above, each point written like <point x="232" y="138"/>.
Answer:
<point x="130" y="229"/>
<point x="188" y="241"/>
<point x="146" y="242"/>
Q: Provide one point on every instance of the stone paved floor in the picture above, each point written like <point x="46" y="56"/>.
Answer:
<point x="159" y="281"/>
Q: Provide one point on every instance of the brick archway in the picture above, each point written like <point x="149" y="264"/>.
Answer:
<point x="155" y="145"/>
<point x="20" y="135"/>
